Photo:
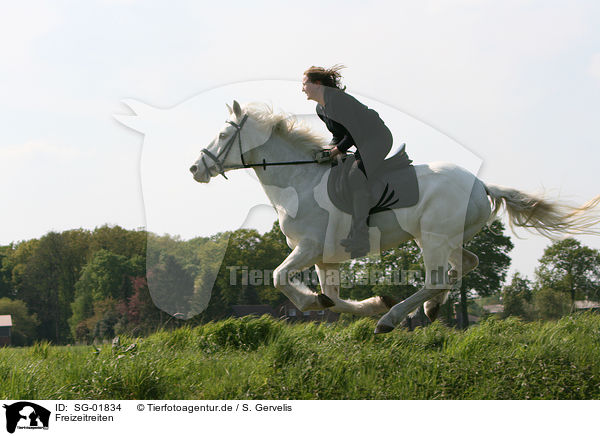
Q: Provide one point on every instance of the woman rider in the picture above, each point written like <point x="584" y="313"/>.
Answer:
<point x="351" y="123"/>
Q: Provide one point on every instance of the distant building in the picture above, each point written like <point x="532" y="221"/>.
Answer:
<point x="587" y="305"/>
<point x="5" y="330"/>
<point x="579" y="305"/>
<point x="494" y="308"/>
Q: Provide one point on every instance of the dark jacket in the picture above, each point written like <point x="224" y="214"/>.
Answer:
<point x="341" y="137"/>
<point x="353" y="123"/>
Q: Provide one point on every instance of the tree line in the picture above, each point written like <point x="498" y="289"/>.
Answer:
<point x="80" y="285"/>
<point x="568" y="271"/>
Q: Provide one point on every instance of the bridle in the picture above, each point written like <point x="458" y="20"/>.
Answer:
<point x="220" y="158"/>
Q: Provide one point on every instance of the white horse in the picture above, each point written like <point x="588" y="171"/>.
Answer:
<point x="453" y="206"/>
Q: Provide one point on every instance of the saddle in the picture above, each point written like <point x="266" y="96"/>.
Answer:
<point x="395" y="185"/>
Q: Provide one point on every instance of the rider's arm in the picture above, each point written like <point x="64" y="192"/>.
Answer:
<point x="341" y="137"/>
<point x="345" y="143"/>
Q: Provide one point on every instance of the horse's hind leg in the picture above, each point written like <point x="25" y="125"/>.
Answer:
<point x="436" y="252"/>
<point x="463" y="262"/>
<point x="330" y="280"/>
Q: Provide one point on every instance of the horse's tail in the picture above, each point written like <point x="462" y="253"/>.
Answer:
<point x="549" y="218"/>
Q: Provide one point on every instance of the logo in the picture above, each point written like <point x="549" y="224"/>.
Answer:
<point x="26" y="415"/>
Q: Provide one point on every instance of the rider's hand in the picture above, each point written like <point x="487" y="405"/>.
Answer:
<point x="335" y="152"/>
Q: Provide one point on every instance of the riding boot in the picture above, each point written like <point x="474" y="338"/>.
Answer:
<point x="357" y="243"/>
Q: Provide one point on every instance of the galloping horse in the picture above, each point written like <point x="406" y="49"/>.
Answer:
<point x="453" y="206"/>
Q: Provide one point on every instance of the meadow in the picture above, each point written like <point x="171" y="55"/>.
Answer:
<point x="263" y="358"/>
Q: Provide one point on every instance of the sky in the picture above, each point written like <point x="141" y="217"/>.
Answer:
<point x="515" y="84"/>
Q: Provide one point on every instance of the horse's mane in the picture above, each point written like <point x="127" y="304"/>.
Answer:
<point x="288" y="126"/>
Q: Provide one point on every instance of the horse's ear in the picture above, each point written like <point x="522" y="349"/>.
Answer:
<point x="237" y="110"/>
<point x="229" y="109"/>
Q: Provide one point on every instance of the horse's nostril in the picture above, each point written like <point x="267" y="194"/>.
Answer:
<point x="193" y="169"/>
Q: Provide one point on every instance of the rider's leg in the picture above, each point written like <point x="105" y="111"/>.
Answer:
<point x="358" y="239"/>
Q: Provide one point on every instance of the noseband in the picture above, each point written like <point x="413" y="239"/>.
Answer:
<point x="219" y="159"/>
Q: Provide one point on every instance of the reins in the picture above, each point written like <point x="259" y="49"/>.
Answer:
<point x="225" y="152"/>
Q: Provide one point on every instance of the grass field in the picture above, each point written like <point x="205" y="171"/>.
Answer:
<point x="267" y="359"/>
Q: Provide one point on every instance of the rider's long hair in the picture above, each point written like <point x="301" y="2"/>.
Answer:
<point x="327" y="76"/>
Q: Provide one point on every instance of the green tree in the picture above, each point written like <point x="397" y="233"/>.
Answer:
<point x="47" y="280"/>
<point x="117" y="240"/>
<point x="6" y="289"/>
<point x="517" y="296"/>
<point x="569" y="267"/>
<point x="241" y="251"/>
<point x="14" y="265"/>
<point x="171" y="286"/>
<point x="24" y="324"/>
<point x="106" y="275"/>
<point x="82" y="309"/>
<point x="105" y="318"/>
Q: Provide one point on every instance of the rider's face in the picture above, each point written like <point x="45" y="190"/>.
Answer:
<point x="310" y="89"/>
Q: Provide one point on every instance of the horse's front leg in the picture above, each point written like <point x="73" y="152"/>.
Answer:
<point x="306" y="254"/>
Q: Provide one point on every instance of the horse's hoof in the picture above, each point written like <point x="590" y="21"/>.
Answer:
<point x="325" y="301"/>
<point x="382" y="328"/>
<point x="389" y="301"/>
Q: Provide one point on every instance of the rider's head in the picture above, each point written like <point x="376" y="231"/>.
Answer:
<point x="316" y="77"/>
<point x="325" y="76"/>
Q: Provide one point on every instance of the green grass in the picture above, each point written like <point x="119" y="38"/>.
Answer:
<point x="267" y="359"/>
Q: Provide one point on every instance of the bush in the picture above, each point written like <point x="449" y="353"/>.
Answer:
<point x="246" y="333"/>
<point x="551" y="304"/>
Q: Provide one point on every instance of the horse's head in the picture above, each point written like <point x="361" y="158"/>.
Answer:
<point x="240" y="133"/>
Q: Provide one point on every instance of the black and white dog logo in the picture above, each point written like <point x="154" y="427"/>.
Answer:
<point x="26" y="415"/>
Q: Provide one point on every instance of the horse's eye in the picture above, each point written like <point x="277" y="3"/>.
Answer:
<point x="222" y="135"/>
